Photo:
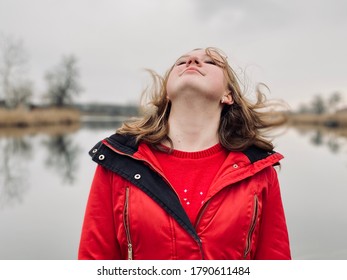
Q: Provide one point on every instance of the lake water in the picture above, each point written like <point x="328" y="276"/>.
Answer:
<point x="45" y="180"/>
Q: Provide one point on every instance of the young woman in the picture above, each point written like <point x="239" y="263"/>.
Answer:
<point x="193" y="178"/>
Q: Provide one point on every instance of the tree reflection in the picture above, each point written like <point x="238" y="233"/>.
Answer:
<point x="334" y="145"/>
<point x="333" y="138"/>
<point x="62" y="157"/>
<point x="16" y="152"/>
<point x="317" y="138"/>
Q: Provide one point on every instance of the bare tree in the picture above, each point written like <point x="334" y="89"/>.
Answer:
<point x="318" y="105"/>
<point x="13" y="65"/>
<point x="63" y="83"/>
<point x="334" y="100"/>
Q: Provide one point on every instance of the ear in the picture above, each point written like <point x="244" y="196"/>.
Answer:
<point x="227" y="99"/>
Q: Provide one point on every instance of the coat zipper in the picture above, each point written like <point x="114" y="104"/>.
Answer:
<point x="130" y="249"/>
<point x="201" y="212"/>
<point x="127" y="224"/>
<point x="252" y="227"/>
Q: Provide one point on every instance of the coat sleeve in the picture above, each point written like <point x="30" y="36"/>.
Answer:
<point x="273" y="243"/>
<point x="98" y="238"/>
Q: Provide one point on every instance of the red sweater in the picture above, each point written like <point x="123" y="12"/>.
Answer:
<point x="191" y="174"/>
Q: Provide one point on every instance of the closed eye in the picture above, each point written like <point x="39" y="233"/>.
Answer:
<point x="211" y="62"/>
<point x="180" y="63"/>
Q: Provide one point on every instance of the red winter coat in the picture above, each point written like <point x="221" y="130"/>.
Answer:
<point x="134" y="213"/>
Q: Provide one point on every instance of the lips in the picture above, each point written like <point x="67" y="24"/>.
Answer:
<point x="191" y="69"/>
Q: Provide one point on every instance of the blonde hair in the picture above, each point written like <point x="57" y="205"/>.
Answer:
<point x="242" y="124"/>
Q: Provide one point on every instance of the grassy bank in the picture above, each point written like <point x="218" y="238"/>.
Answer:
<point x="38" y="117"/>
<point x="329" y="120"/>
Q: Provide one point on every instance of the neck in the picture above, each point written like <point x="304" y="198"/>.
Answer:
<point x="194" y="127"/>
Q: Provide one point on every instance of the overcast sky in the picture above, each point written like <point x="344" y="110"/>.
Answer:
<point x="298" y="47"/>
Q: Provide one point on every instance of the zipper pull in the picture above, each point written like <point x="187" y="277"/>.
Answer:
<point x="130" y="252"/>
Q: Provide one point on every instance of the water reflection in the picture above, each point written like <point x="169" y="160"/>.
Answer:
<point x="62" y="152"/>
<point x="335" y="139"/>
<point x="62" y="157"/>
<point x="17" y="149"/>
<point x="16" y="152"/>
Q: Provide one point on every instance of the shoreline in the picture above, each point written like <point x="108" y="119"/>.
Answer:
<point x="42" y="117"/>
<point x="335" y="120"/>
<point x="22" y="117"/>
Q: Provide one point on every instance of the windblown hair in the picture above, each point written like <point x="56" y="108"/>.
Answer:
<point x="242" y="124"/>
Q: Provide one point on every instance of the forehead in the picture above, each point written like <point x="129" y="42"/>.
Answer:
<point x="201" y="53"/>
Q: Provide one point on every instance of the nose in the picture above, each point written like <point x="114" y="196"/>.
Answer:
<point x="193" y="60"/>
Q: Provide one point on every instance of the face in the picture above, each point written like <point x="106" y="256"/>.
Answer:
<point x="197" y="74"/>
